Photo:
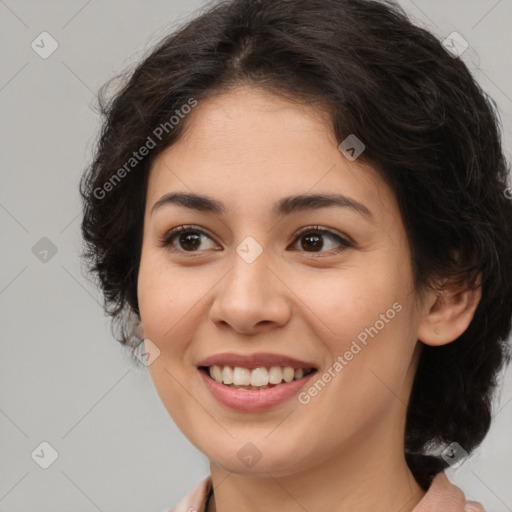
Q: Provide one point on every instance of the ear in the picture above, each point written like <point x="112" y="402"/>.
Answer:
<point x="449" y="313"/>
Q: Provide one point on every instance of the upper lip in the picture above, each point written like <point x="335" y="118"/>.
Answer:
<point x="251" y="361"/>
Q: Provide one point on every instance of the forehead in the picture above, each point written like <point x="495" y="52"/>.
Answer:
<point x="253" y="147"/>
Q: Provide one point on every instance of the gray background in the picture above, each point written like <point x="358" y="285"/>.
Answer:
<point x="64" y="380"/>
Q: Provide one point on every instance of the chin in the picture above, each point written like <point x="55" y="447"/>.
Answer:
<point x="262" y="457"/>
<point x="271" y="465"/>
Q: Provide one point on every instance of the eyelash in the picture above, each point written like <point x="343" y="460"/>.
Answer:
<point x="168" y="238"/>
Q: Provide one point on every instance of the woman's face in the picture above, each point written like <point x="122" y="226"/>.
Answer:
<point x="266" y="276"/>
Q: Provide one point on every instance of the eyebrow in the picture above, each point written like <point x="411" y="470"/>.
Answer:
<point x="284" y="206"/>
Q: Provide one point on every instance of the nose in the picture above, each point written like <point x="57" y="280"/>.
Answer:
<point x="251" y="298"/>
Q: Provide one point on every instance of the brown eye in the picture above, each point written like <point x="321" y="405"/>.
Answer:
<point x="187" y="239"/>
<point x="317" y="240"/>
<point x="312" y="242"/>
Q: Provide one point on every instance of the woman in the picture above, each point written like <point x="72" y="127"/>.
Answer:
<point x="301" y="207"/>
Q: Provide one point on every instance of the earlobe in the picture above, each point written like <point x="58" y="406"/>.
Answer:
<point x="449" y="315"/>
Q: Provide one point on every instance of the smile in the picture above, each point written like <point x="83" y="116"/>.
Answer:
<point x="258" y="378"/>
<point x="256" y="382"/>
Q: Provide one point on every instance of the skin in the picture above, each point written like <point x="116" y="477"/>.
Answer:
<point x="344" y="449"/>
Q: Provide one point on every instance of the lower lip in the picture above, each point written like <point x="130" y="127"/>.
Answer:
<point x="253" y="401"/>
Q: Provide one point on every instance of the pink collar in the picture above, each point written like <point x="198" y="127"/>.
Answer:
<point x="442" y="496"/>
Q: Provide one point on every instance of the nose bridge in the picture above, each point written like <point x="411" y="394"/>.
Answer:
<point x="250" y="295"/>
<point x="249" y="274"/>
<point x="250" y="264"/>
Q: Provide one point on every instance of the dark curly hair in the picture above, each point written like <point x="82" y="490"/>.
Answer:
<point x="429" y="130"/>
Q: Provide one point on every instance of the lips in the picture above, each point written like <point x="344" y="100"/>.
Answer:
<point x="261" y="360"/>
<point x="254" y="382"/>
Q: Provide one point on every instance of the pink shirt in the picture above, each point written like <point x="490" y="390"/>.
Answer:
<point x="442" y="496"/>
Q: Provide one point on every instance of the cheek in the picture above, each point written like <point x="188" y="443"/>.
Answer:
<point x="352" y="300"/>
<point x="166" y="297"/>
<point x="366" y="321"/>
<point x="168" y="301"/>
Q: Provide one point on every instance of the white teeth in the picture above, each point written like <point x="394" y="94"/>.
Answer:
<point x="216" y="373"/>
<point x="227" y="375"/>
<point x="288" y="373"/>
<point x="259" y="377"/>
<point x="241" y="376"/>
<point x="275" y="375"/>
